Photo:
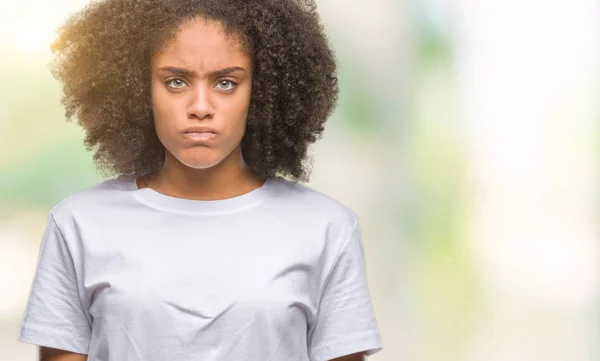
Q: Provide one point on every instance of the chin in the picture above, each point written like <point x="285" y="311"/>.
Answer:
<point x="199" y="161"/>
<point x="199" y="157"/>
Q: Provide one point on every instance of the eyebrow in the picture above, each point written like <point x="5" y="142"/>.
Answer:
<point x="190" y="73"/>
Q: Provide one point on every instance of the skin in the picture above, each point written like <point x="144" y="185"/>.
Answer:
<point x="196" y="94"/>
<point x="187" y="90"/>
<point x="353" y="357"/>
<point x="52" y="354"/>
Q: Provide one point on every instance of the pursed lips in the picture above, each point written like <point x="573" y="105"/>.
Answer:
<point x="199" y="136"/>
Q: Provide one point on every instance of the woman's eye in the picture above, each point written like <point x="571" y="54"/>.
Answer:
<point x="226" y="84"/>
<point x="176" y="83"/>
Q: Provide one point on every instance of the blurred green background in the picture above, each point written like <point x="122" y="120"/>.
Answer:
<point x="466" y="139"/>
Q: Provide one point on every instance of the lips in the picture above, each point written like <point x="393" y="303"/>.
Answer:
<point x="199" y="130"/>
<point x="198" y="136"/>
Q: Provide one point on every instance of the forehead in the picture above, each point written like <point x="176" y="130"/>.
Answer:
<point x="202" y="45"/>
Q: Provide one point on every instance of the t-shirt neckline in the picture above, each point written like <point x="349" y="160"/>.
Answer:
<point x="182" y="205"/>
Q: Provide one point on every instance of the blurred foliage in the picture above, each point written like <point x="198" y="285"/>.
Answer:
<point x="357" y="107"/>
<point x="43" y="156"/>
<point x="435" y="212"/>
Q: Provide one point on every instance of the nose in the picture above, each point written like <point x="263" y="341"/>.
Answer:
<point x="201" y="105"/>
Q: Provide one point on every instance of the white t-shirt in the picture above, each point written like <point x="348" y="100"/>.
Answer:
<point x="128" y="274"/>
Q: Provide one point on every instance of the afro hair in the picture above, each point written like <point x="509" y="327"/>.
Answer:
<point x="102" y="59"/>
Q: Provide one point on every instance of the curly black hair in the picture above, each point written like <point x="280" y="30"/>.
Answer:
<point x="102" y="58"/>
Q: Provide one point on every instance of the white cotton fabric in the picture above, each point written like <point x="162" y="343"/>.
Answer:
<point x="128" y="274"/>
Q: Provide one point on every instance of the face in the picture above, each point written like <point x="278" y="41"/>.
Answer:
<point x="201" y="82"/>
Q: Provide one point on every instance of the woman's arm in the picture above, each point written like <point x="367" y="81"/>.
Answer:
<point x="52" y="354"/>
<point x="354" y="357"/>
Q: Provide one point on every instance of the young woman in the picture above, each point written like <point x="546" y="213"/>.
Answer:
<point x="199" y="248"/>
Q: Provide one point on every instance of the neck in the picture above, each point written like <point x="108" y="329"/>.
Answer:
<point x="229" y="178"/>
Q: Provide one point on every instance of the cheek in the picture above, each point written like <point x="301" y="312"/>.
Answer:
<point x="158" y="101"/>
<point x="162" y="110"/>
<point x="238" y="118"/>
<point x="241" y="109"/>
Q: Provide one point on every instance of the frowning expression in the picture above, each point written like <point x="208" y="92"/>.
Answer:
<point x="201" y="85"/>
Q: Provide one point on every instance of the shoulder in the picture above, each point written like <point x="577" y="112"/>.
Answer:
<point x="302" y="196"/>
<point x="315" y="207"/>
<point x="89" y="199"/>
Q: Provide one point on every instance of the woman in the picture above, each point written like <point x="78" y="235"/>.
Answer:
<point x="199" y="249"/>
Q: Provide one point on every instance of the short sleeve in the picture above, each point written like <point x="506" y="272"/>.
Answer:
<point x="54" y="316"/>
<point x="345" y="321"/>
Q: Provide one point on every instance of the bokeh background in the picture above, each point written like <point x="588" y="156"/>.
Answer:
<point x="466" y="139"/>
